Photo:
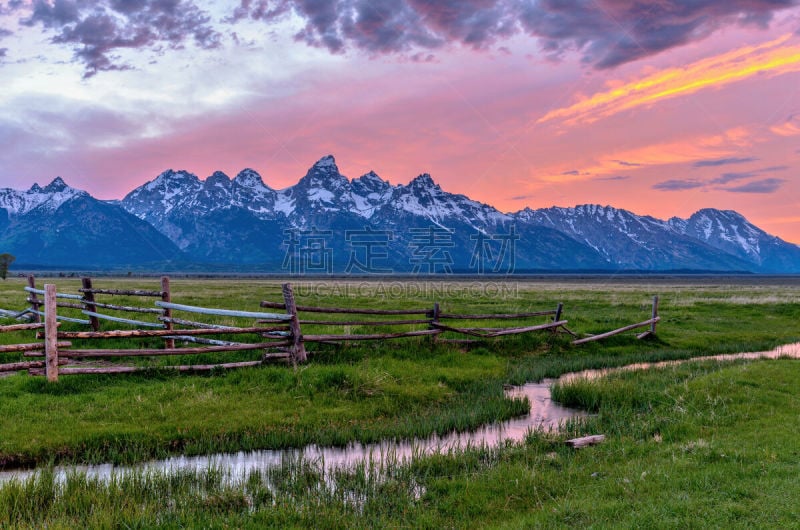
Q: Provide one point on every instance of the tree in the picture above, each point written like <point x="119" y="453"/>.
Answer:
<point x="6" y="260"/>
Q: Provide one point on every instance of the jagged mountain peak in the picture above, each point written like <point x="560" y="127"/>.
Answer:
<point x="327" y="161"/>
<point x="171" y="178"/>
<point x="220" y="218"/>
<point x="424" y="181"/>
<point x="51" y="197"/>
<point x="57" y="185"/>
<point x="324" y="173"/>
<point x="370" y="183"/>
<point x="370" y="176"/>
<point x="249" y="178"/>
<point x="727" y="215"/>
<point x="218" y="178"/>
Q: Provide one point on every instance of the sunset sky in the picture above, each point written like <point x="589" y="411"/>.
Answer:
<point x="661" y="107"/>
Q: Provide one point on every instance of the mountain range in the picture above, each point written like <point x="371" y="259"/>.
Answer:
<point x="327" y="223"/>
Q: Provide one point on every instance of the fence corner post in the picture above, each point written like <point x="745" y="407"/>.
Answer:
<point x="296" y="348"/>
<point x="166" y="296"/>
<point x="88" y="302"/>
<point x="654" y="315"/>
<point x="50" y="333"/>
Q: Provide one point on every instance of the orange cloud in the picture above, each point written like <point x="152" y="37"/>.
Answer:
<point x="665" y="153"/>
<point x="772" y="58"/>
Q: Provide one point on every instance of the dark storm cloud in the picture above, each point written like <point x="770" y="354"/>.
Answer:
<point x="97" y="29"/>
<point x="724" y="161"/>
<point x="606" y="33"/>
<point x="770" y="185"/>
<point x="678" y="185"/>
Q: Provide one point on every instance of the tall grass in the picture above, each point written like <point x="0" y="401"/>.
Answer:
<point x="696" y="445"/>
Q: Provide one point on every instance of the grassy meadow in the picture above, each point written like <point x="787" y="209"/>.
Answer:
<point x="702" y="444"/>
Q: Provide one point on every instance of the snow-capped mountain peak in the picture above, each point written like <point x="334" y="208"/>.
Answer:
<point x="424" y="182"/>
<point x="51" y="197"/>
<point x="218" y="179"/>
<point x="249" y="178"/>
<point x="244" y="221"/>
<point x="327" y="161"/>
<point x="56" y="186"/>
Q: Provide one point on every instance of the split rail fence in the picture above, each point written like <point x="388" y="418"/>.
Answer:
<point x="279" y="336"/>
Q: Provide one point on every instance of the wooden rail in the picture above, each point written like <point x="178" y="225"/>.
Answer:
<point x="164" y="351"/>
<point x="502" y="316"/>
<point x="652" y="321"/>
<point x="20" y="327"/>
<point x="124" y="320"/>
<point x="123" y="292"/>
<point x="33" y="346"/>
<point x="129" y="333"/>
<point x="221" y="312"/>
<point x="352" y="311"/>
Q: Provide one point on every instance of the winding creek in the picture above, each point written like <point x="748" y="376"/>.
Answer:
<point x="545" y="414"/>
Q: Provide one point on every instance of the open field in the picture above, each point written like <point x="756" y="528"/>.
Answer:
<point x="699" y="445"/>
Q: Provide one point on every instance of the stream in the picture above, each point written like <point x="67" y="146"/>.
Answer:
<point x="544" y="414"/>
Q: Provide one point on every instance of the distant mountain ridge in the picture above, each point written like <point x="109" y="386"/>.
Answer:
<point x="329" y="223"/>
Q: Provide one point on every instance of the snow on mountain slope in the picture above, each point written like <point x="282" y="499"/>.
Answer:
<point x="222" y="220"/>
<point x="49" y="198"/>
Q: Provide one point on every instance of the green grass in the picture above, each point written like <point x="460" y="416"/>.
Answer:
<point x="667" y="429"/>
<point x="699" y="445"/>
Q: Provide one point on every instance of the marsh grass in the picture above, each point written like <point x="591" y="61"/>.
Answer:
<point x="697" y="445"/>
<point x="360" y="392"/>
<point x="693" y="445"/>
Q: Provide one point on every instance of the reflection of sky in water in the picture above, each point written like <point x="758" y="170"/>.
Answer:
<point x="545" y="415"/>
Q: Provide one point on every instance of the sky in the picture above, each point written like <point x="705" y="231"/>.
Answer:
<point x="661" y="107"/>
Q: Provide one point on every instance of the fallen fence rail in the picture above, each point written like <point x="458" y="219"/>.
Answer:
<point x="499" y="332"/>
<point x="652" y="321"/>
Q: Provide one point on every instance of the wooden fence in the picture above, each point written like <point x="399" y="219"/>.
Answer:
<point x="278" y="336"/>
<point x="651" y="323"/>
<point x="432" y="320"/>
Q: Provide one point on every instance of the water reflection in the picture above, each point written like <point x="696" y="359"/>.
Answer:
<point x="545" y="414"/>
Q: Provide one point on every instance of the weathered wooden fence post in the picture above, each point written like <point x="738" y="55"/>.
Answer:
<point x="50" y="333"/>
<point x="654" y="315"/>
<point x="166" y="296"/>
<point x="88" y="302"/>
<point x="296" y="347"/>
<point x="434" y="320"/>
<point x="33" y="299"/>
<point x="559" y="308"/>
